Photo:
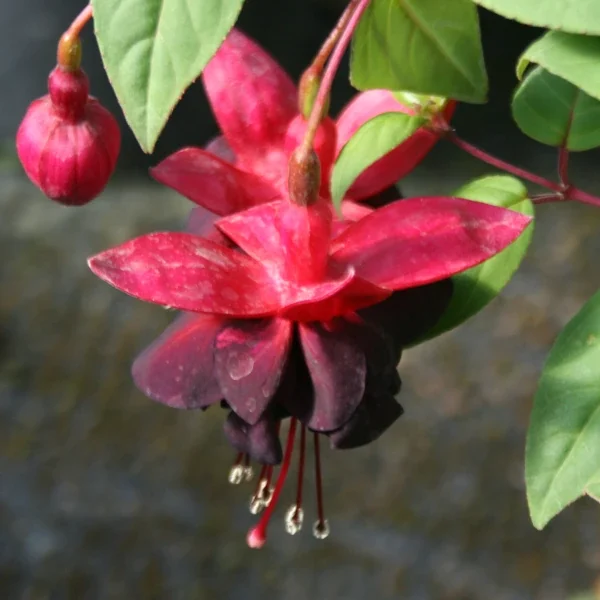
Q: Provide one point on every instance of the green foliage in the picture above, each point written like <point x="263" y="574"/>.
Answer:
<point x="153" y="50"/>
<point x="476" y="288"/>
<point x="424" y="46"/>
<point x="580" y="16"/>
<point x="563" y="441"/>
<point x="575" y="58"/>
<point x="553" y="111"/>
<point x="373" y="140"/>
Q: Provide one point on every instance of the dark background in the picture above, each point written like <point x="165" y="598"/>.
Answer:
<point x="104" y="494"/>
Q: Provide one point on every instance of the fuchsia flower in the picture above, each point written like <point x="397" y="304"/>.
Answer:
<point x="294" y="320"/>
<point x="68" y="143"/>
<point x="256" y="106"/>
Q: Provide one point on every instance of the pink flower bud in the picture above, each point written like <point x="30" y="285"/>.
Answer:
<point x="68" y="143"/>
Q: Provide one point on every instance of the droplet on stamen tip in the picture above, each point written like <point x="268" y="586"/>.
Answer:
<point x="236" y="475"/>
<point x="257" y="505"/>
<point x="267" y="495"/>
<point x="248" y="473"/>
<point x="321" y="529"/>
<point x="294" y="518"/>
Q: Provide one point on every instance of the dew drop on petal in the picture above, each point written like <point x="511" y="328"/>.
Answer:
<point x="321" y="529"/>
<point x="294" y="517"/>
<point x="239" y="366"/>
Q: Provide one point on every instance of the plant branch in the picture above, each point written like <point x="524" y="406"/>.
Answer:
<point x="562" y="191"/>
<point x="80" y="21"/>
<point x="350" y="19"/>
<point x="563" y="166"/>
<point x="501" y="164"/>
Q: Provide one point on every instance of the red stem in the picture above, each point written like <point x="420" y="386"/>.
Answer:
<point x="258" y="535"/>
<point x="501" y="164"/>
<point x="563" y="192"/>
<point x="357" y="7"/>
<point x="301" y="469"/>
<point x="332" y="39"/>
<point x="319" y="484"/>
<point x="563" y="166"/>
<point x="80" y="21"/>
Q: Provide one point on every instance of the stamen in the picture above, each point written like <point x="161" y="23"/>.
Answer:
<point x="236" y="473"/>
<point x="294" y="516"/>
<point x="321" y="526"/>
<point x="257" y="500"/>
<point x="257" y="536"/>
<point x="248" y="470"/>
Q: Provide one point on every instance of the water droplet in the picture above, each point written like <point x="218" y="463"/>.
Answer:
<point x="239" y="365"/>
<point x="294" y="517"/>
<point x="321" y="529"/>
<point x="236" y="475"/>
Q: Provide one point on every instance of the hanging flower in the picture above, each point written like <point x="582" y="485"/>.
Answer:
<point x="294" y="320"/>
<point x="256" y="106"/>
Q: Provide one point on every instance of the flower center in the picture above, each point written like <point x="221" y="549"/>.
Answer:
<point x="266" y="496"/>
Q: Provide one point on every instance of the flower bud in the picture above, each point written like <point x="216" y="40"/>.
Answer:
<point x="68" y="143"/>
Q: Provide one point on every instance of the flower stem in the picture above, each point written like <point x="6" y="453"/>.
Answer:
<point x="324" y="53"/>
<point x="563" y="191"/>
<point x="80" y="21"/>
<point x="68" y="53"/>
<point x="563" y="166"/>
<point x="501" y="164"/>
<point x="257" y="536"/>
<point x="349" y="20"/>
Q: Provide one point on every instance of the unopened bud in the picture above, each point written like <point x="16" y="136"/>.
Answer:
<point x="304" y="177"/>
<point x="68" y="143"/>
<point x="310" y="82"/>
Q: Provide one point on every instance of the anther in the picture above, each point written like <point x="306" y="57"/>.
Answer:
<point x="321" y="529"/>
<point x="294" y="518"/>
<point x="236" y="473"/>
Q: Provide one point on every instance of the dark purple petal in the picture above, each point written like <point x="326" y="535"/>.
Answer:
<point x="383" y="356"/>
<point x="338" y="368"/>
<point x="260" y="440"/>
<point x="250" y="358"/>
<point x="408" y="314"/>
<point x="374" y="415"/>
<point x="295" y="395"/>
<point x="177" y="368"/>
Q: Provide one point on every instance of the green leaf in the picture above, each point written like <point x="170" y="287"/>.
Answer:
<point x="572" y="57"/>
<point x="580" y="16"/>
<point x="563" y="441"/>
<point x="152" y="51"/>
<point x="372" y="140"/>
<point x="423" y="46"/>
<point x="553" y="111"/>
<point x="477" y="287"/>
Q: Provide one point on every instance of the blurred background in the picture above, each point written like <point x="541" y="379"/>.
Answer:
<point x="104" y="494"/>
